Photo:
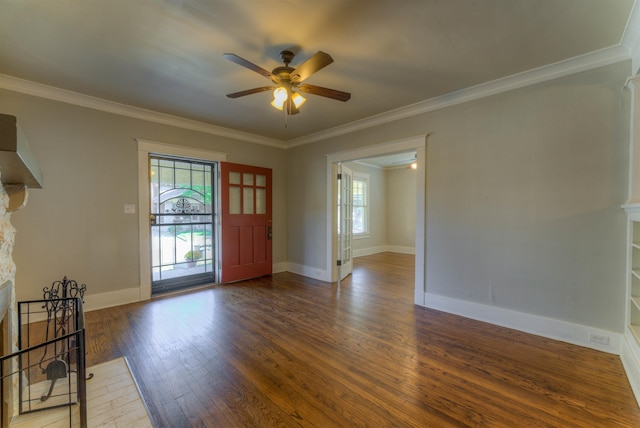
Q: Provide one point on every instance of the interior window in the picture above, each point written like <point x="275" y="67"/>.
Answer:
<point x="360" y="204"/>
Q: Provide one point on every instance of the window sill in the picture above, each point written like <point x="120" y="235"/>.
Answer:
<point x="362" y="236"/>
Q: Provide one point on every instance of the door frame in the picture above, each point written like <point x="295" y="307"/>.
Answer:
<point x="145" y="148"/>
<point x="417" y="143"/>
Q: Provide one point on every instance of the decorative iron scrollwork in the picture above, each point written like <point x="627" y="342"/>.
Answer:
<point x="64" y="289"/>
<point x="183" y="206"/>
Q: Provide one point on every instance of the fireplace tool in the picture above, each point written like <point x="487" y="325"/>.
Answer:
<point x="60" y="311"/>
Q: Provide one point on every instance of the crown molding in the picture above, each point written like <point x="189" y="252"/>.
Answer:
<point x="567" y="67"/>
<point x="50" y="92"/>
<point x="631" y="37"/>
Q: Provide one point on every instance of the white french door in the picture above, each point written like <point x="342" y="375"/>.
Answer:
<point x="345" y="220"/>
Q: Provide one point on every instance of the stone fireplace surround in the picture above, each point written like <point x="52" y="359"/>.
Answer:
<point x="11" y="198"/>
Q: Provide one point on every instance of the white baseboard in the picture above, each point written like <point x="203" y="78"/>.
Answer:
<point x="383" y="248"/>
<point x="547" y="327"/>
<point x="630" y="356"/>
<point x="401" y="250"/>
<point x="93" y="302"/>
<point x="311" y="272"/>
<point x="368" y="251"/>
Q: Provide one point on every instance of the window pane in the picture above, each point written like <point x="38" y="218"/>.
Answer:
<point x="183" y="165"/>
<point x="247" y="179"/>
<point x="183" y="178"/>
<point x="166" y="179"/>
<point x="261" y="201"/>
<point x="360" y="208"/>
<point x="358" y="217"/>
<point x="197" y="180"/>
<point x="247" y="206"/>
<point x="261" y="180"/>
<point x="234" y="200"/>
<point x="234" y="177"/>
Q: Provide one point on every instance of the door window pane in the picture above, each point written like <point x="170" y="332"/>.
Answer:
<point x="197" y="183"/>
<point x="234" y="200"/>
<point x="261" y="201"/>
<point x="247" y="179"/>
<point x="234" y="177"/>
<point x="247" y="206"/>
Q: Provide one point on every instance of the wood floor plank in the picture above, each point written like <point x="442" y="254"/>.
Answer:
<point x="289" y="351"/>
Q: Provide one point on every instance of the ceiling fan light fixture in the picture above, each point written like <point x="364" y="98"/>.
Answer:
<point x="278" y="104"/>
<point x="297" y="99"/>
<point x="280" y="95"/>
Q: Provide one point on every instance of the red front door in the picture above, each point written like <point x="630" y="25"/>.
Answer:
<point x="246" y="221"/>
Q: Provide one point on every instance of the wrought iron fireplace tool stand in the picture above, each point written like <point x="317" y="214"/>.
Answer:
<point x="61" y="307"/>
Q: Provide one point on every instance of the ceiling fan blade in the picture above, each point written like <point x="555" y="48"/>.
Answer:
<point x="251" y="66"/>
<point x="325" y="92"/>
<point x="310" y="66"/>
<point x="250" y="91"/>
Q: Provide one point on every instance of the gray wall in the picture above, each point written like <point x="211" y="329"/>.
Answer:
<point x="523" y="197"/>
<point x="75" y="225"/>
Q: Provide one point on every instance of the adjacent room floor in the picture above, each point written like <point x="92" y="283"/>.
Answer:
<point x="294" y="352"/>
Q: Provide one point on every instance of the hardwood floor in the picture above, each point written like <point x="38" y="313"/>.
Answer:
<point x="288" y="351"/>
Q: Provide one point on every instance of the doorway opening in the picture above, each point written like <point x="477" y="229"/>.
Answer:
<point x="414" y="144"/>
<point x="182" y="210"/>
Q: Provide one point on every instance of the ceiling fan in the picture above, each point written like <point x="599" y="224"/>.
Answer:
<point x="288" y="81"/>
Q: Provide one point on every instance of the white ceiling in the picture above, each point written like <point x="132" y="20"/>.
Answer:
<point x="166" y="56"/>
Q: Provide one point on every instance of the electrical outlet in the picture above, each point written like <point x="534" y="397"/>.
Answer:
<point x="598" y="338"/>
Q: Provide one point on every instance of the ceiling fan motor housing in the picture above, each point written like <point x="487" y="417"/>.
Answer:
<point x="283" y="73"/>
<point x="286" y="56"/>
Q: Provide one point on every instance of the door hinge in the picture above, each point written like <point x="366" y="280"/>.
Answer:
<point x="339" y="176"/>
<point x="339" y="263"/>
